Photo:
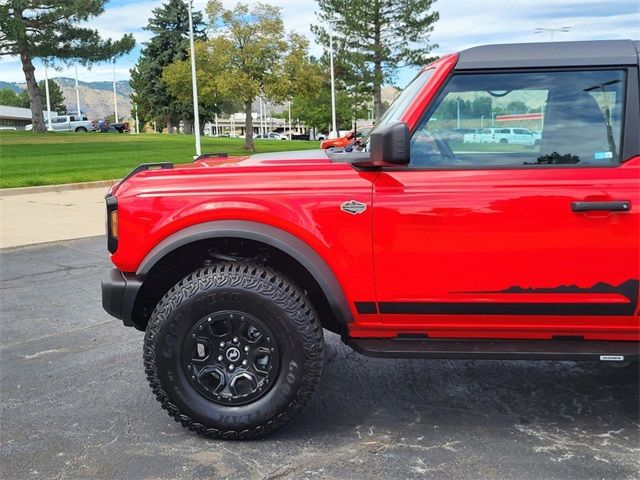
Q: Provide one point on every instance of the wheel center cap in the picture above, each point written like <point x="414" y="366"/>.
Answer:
<point x="233" y="354"/>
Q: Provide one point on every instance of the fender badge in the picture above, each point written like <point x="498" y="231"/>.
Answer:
<point x="353" y="207"/>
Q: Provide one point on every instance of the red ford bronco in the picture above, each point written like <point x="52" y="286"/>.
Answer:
<point x="423" y="245"/>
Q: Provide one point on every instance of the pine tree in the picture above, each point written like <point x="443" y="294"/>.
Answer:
<point x="48" y="29"/>
<point x="387" y="33"/>
<point x="170" y="42"/>
<point x="56" y="97"/>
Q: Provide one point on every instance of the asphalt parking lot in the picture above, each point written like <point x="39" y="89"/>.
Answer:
<point x="75" y="403"/>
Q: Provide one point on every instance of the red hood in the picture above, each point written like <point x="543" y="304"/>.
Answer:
<point x="278" y="161"/>
<point x="305" y="157"/>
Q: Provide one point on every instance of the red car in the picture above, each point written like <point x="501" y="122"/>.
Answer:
<point x="416" y="247"/>
<point x="345" y="141"/>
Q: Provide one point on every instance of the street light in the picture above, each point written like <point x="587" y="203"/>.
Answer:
<point x="334" y="128"/>
<point x="196" y="114"/>
<point x="551" y="31"/>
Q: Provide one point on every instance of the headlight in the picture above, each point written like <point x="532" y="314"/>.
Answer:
<point x="112" y="223"/>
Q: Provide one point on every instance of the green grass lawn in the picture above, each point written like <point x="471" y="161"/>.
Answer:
<point x="28" y="158"/>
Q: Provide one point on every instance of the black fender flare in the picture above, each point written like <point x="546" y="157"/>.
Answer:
<point x="267" y="234"/>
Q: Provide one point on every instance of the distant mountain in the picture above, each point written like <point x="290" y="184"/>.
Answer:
<point x="389" y="94"/>
<point x="122" y="86"/>
<point x="10" y="86"/>
<point x="96" y="98"/>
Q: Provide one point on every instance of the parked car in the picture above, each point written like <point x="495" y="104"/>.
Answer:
<point x="515" y="136"/>
<point x="103" y="125"/>
<point x="270" y="136"/>
<point x="300" y="136"/>
<point x="409" y="249"/>
<point x="69" y="123"/>
<point x="344" y="141"/>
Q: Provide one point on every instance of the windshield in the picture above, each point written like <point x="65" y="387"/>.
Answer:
<point x="399" y="106"/>
<point x="392" y="115"/>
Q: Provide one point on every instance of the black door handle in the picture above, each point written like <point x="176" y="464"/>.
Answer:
<point x="613" y="206"/>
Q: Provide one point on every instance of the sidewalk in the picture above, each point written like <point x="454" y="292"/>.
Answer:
<point x="50" y="214"/>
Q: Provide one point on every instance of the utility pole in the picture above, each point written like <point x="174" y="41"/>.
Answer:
<point x="551" y="31"/>
<point x="115" y="98"/>
<point x="78" y="95"/>
<point x="135" y="105"/>
<point x="46" y="89"/>
<point x="334" y="128"/>
<point x="289" y="119"/>
<point x="196" y="114"/>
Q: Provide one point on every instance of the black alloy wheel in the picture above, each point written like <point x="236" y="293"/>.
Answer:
<point x="231" y="357"/>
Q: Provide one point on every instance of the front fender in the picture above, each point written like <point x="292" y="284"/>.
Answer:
<point x="274" y="237"/>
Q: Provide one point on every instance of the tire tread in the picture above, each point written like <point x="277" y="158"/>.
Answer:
<point x="268" y="283"/>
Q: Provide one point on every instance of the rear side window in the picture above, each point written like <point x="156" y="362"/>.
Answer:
<point x="511" y="119"/>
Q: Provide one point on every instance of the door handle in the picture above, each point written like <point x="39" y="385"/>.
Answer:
<point x="612" y="206"/>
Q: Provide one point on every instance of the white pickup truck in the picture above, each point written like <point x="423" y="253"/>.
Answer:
<point x="515" y="136"/>
<point x="68" y="123"/>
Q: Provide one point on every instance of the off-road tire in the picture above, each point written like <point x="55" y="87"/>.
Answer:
<point x="258" y="291"/>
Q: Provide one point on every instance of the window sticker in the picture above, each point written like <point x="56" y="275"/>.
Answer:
<point x="602" y="155"/>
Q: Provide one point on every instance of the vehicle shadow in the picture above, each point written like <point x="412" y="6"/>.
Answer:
<point x="390" y="395"/>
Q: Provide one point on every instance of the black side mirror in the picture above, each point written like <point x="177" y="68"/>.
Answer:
<point x="390" y="144"/>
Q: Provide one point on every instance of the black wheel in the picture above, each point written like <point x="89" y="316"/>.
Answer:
<point x="504" y="141"/>
<point x="233" y="351"/>
<point x="81" y="129"/>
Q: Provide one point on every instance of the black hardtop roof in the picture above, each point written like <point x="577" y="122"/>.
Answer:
<point x="550" y="54"/>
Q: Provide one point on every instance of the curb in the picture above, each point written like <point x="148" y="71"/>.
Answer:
<point x="7" y="192"/>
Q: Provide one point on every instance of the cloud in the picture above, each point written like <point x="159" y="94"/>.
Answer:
<point x="462" y="24"/>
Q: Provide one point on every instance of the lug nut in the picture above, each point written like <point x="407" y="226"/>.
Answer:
<point x="221" y="344"/>
<point x="235" y="340"/>
<point x="246" y="349"/>
<point x="244" y="362"/>
<point x="219" y="358"/>
<point x="231" y="367"/>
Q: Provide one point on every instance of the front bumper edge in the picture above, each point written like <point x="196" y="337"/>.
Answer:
<point x="119" y="291"/>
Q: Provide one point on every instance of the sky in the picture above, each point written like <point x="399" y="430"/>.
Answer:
<point x="462" y="24"/>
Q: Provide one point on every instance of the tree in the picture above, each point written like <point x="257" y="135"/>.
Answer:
<point x="48" y="29"/>
<point x="516" y="107"/>
<point x="249" y="57"/>
<point x="56" y="97"/>
<point x="170" y="42"/>
<point x="387" y="33"/>
<point x="313" y="111"/>
<point x="176" y="78"/>
<point x="10" y="98"/>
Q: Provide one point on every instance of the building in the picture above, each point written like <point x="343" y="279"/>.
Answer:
<point x="18" y="117"/>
